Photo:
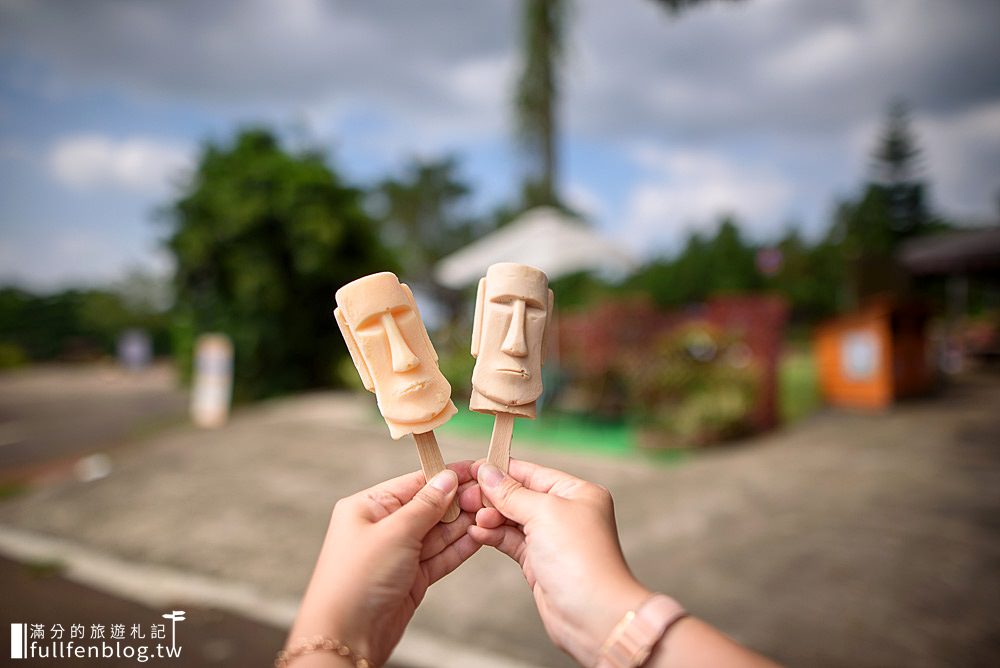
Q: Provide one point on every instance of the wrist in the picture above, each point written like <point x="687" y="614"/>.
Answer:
<point x="640" y="631"/>
<point x="320" y="652"/>
<point x="610" y="603"/>
<point x="336" y="621"/>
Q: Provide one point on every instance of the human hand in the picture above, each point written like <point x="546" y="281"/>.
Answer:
<point x="561" y="530"/>
<point x="384" y="547"/>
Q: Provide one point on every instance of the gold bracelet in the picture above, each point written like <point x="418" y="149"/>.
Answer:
<point x="320" y="644"/>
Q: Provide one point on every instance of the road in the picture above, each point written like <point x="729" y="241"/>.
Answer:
<point x="53" y="414"/>
<point x="849" y="539"/>
<point x="206" y="637"/>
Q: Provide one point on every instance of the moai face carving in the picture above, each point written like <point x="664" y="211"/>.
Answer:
<point x="513" y="307"/>
<point x="391" y="350"/>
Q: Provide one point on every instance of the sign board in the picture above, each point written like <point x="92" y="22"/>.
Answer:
<point x="135" y="351"/>
<point x="859" y="355"/>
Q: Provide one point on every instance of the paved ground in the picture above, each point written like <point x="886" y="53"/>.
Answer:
<point x="848" y="540"/>
<point x="207" y="637"/>
<point x="51" y="413"/>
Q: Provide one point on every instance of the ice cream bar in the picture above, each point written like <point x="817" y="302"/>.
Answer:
<point x="396" y="360"/>
<point x="513" y="309"/>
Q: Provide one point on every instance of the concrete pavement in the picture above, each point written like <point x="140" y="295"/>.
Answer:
<point x="848" y="540"/>
<point x="54" y="412"/>
<point x="207" y="637"/>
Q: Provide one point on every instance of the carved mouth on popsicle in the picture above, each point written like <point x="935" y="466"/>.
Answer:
<point x="415" y="387"/>
<point x="517" y="372"/>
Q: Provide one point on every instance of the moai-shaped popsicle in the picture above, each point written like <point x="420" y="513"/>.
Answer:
<point x="513" y="308"/>
<point x="396" y="360"/>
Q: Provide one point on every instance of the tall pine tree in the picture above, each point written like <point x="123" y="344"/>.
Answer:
<point x="896" y="172"/>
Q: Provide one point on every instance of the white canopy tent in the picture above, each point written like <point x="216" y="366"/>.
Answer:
<point x="542" y="237"/>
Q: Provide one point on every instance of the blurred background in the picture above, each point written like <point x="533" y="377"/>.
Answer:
<point x="773" y="233"/>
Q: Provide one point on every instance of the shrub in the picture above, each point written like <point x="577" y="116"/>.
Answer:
<point x="695" y="385"/>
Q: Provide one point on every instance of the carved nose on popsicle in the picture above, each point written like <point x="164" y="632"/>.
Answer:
<point x="403" y="358"/>
<point x="514" y="343"/>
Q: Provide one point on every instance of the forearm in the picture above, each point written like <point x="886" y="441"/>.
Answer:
<point x="676" y="639"/>
<point x="692" y="643"/>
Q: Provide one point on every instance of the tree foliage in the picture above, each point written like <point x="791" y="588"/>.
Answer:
<point x="896" y="156"/>
<point x="262" y="238"/>
<point x="892" y="208"/>
<point x="72" y="324"/>
<point x="808" y="275"/>
<point x="706" y="266"/>
<point x="855" y="259"/>
<point x="426" y="215"/>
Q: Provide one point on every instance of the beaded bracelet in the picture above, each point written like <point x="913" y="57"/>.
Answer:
<point x="320" y="644"/>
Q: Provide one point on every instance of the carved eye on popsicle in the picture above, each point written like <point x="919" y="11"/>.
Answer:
<point x="513" y="308"/>
<point x="396" y="360"/>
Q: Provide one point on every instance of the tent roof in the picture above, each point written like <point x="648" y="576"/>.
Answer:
<point x="542" y="237"/>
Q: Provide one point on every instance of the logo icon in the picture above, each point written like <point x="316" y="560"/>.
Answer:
<point x="18" y="640"/>
<point x="174" y="617"/>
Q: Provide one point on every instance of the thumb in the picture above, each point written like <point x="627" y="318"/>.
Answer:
<point x="428" y="506"/>
<point x="510" y="497"/>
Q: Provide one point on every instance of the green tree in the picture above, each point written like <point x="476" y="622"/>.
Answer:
<point x="543" y="35"/>
<point x="892" y="208"/>
<point x="809" y="276"/>
<point x="426" y="213"/>
<point x="262" y="238"/>
<point x="732" y="261"/>
<point x="723" y="263"/>
<point x="897" y="175"/>
<point x="73" y="324"/>
<point x="427" y="217"/>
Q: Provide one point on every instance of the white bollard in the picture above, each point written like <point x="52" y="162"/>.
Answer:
<point x="213" y="380"/>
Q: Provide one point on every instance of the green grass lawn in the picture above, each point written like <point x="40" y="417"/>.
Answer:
<point x="798" y="396"/>
<point x="554" y="430"/>
<point x="798" y="386"/>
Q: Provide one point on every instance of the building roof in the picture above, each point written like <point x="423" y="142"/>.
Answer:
<point x="542" y="237"/>
<point x="962" y="252"/>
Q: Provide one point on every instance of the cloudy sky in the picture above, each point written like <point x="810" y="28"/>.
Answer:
<point x="766" y="109"/>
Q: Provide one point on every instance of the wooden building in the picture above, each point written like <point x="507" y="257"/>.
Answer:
<point x="874" y="356"/>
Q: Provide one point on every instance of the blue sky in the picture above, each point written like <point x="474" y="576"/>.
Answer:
<point x="767" y="109"/>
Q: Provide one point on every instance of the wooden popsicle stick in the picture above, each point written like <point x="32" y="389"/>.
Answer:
<point x="432" y="463"/>
<point x="499" y="454"/>
<point x="503" y="431"/>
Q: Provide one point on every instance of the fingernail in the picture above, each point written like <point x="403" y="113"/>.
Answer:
<point x="445" y="481"/>
<point x="490" y="475"/>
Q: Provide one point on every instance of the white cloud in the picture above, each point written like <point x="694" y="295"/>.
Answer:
<point x="483" y="81"/>
<point x="410" y="59"/>
<point x="585" y="200"/>
<point x="818" y="56"/>
<point x="61" y="258"/>
<point x="800" y="88"/>
<point x="962" y="152"/>
<point x="139" y="164"/>
<point x="688" y="190"/>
